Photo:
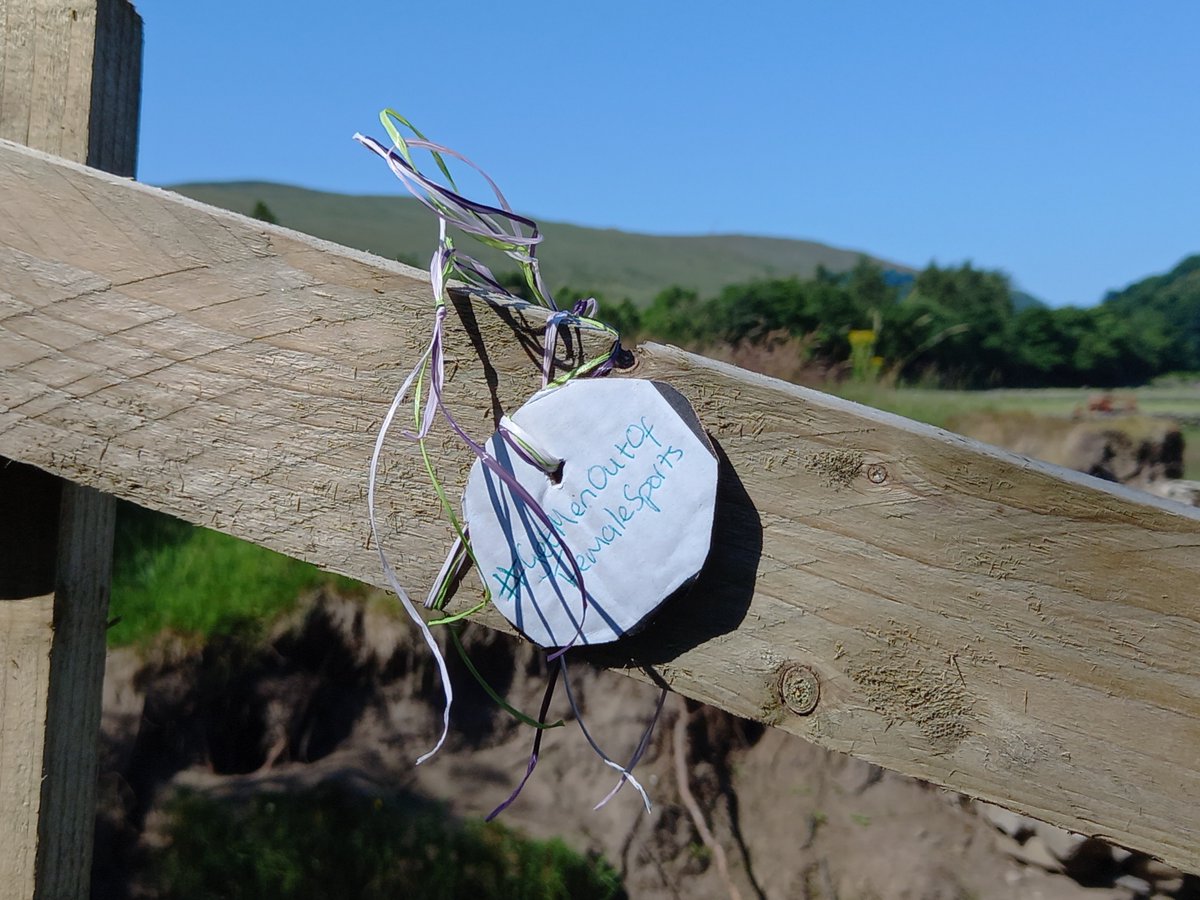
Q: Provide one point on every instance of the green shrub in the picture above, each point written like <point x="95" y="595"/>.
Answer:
<point x="326" y="843"/>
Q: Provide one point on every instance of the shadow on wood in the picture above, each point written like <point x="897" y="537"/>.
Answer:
<point x="28" y="530"/>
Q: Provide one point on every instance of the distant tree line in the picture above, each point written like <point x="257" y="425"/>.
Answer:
<point x="952" y="327"/>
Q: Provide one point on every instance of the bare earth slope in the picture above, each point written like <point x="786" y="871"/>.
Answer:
<point x="343" y="692"/>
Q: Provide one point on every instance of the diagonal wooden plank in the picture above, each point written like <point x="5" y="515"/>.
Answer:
<point x="1007" y="628"/>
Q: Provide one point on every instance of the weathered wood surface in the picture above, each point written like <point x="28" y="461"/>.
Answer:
<point x="70" y="75"/>
<point x="25" y="631"/>
<point x="1003" y="627"/>
<point x="70" y="766"/>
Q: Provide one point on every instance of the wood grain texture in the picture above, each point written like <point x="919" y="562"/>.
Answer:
<point x="68" y="784"/>
<point x="47" y="50"/>
<point x="1003" y="627"/>
<point x="25" y="631"/>
<point x="116" y="94"/>
<point x="70" y="80"/>
<point x="70" y="77"/>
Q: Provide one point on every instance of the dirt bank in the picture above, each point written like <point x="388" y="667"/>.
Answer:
<point x="1137" y="450"/>
<point x="342" y="693"/>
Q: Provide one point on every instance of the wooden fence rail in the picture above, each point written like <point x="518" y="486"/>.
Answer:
<point x="1006" y="628"/>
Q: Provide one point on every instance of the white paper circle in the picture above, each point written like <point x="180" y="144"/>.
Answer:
<point x="634" y="506"/>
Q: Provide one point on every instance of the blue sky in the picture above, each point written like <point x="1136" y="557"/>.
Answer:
<point x="1058" y="141"/>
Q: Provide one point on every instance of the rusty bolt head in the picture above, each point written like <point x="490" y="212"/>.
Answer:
<point x="876" y="473"/>
<point x="799" y="688"/>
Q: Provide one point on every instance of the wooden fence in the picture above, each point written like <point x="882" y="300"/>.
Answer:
<point x="70" y="76"/>
<point x="1009" y="629"/>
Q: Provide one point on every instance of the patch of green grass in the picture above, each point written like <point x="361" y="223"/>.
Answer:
<point x="938" y="407"/>
<point x="325" y="843"/>
<point x="699" y="852"/>
<point x="171" y="575"/>
<point x="929" y="406"/>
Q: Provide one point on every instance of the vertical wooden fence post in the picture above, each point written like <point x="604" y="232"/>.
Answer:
<point x="70" y="82"/>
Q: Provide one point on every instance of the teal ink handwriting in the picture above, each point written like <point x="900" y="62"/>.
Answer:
<point x="636" y="473"/>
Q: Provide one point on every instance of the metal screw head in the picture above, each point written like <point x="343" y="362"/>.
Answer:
<point x="626" y="359"/>
<point x="799" y="688"/>
<point x="876" y="473"/>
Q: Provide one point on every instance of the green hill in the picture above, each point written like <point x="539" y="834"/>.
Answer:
<point x="1175" y="298"/>
<point x="613" y="264"/>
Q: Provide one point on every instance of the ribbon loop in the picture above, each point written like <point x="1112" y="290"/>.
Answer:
<point x="518" y="237"/>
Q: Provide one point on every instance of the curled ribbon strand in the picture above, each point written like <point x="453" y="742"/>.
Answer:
<point x="518" y="237"/>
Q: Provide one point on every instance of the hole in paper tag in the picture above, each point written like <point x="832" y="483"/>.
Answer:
<point x="634" y="506"/>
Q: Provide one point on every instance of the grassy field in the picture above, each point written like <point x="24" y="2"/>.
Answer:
<point x="938" y="407"/>
<point x="168" y="575"/>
